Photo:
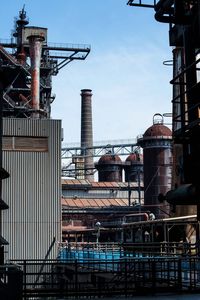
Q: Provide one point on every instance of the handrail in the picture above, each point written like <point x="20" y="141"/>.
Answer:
<point x="89" y="246"/>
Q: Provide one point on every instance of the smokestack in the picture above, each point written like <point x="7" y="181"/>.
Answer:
<point x="86" y="132"/>
<point x="35" y="42"/>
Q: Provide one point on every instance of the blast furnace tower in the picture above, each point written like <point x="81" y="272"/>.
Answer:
<point x="28" y="63"/>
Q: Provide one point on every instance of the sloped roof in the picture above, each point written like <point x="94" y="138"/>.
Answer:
<point x="93" y="202"/>
<point x="76" y="184"/>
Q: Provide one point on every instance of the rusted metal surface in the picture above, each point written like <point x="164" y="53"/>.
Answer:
<point x="77" y="184"/>
<point x="157" y="130"/>
<point x="93" y="202"/>
<point x="21" y="57"/>
<point x="109" y="158"/>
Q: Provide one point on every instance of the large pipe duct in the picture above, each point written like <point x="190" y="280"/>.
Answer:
<point x="186" y="194"/>
<point x="87" y="133"/>
<point x="35" y="42"/>
<point x="162" y="8"/>
<point x="172" y="11"/>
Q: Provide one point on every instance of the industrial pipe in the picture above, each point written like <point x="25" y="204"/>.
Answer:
<point x="35" y="42"/>
<point x="171" y="11"/>
<point x="186" y="194"/>
<point x="164" y="7"/>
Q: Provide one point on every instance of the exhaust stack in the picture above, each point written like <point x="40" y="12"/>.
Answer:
<point x="87" y="133"/>
<point x="35" y="42"/>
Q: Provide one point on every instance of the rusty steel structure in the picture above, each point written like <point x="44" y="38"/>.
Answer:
<point x="183" y="18"/>
<point x="156" y="143"/>
<point x="28" y="62"/>
<point x="87" y="133"/>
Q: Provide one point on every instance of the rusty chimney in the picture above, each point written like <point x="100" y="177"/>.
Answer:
<point x="86" y="133"/>
<point x="35" y="42"/>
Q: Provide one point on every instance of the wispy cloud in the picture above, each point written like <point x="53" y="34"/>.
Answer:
<point x="129" y="85"/>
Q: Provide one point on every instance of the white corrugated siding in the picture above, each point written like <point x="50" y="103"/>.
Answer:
<point x="32" y="191"/>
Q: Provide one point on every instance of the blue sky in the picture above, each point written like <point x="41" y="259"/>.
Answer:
<point x="124" y="69"/>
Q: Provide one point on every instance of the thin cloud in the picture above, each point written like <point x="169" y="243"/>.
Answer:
<point x="125" y="87"/>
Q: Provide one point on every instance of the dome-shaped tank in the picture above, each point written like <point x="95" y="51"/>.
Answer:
<point x="157" y="130"/>
<point x="157" y="160"/>
<point x="109" y="168"/>
<point x="134" y="167"/>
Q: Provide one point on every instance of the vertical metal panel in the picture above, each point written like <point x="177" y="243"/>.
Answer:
<point x="27" y="127"/>
<point x="32" y="191"/>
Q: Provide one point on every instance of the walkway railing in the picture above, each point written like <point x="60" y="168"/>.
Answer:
<point x="126" y="276"/>
<point x="148" y="249"/>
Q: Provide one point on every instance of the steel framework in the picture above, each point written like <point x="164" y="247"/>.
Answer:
<point x="97" y="151"/>
<point x="15" y="58"/>
<point x="73" y="157"/>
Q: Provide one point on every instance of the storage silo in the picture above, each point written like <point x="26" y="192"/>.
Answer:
<point x="157" y="157"/>
<point x="109" y="168"/>
<point x="134" y="167"/>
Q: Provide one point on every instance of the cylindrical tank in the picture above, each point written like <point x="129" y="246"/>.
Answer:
<point x="134" y="167"/>
<point x="110" y="168"/>
<point x="87" y="133"/>
<point x="157" y="158"/>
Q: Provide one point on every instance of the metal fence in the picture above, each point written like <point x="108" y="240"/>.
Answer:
<point x="127" y="276"/>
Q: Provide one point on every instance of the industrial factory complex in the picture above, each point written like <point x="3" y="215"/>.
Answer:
<point x="97" y="220"/>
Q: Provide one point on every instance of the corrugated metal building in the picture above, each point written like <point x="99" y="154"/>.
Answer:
<point x="32" y="156"/>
